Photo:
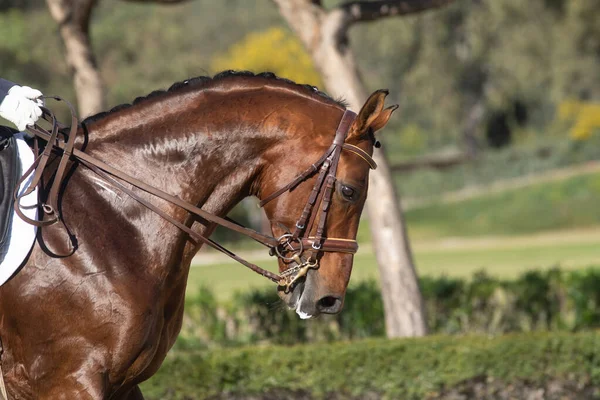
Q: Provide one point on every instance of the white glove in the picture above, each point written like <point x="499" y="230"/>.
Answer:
<point x="21" y="106"/>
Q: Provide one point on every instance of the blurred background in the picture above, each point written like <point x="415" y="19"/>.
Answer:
<point x="494" y="153"/>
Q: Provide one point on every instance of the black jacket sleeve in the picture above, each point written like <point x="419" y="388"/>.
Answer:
<point x="5" y="87"/>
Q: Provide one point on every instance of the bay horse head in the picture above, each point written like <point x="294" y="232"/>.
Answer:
<point x="325" y="208"/>
<point x="99" y="321"/>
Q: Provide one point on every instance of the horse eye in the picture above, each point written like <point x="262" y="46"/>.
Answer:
<point x="348" y="192"/>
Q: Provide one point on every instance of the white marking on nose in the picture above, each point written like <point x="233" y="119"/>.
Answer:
<point x="302" y="314"/>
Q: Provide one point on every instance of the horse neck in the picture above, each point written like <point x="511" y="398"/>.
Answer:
<point x="211" y="160"/>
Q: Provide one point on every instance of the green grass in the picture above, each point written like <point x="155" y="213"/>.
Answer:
<point x="501" y="257"/>
<point x="565" y="204"/>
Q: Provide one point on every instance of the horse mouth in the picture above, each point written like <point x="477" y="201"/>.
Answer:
<point x="295" y="300"/>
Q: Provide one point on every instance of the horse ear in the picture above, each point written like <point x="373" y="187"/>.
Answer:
<point x="383" y="118"/>
<point x="372" y="115"/>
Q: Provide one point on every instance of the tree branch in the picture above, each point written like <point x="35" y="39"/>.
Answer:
<point x="363" y="11"/>
<point x="304" y="17"/>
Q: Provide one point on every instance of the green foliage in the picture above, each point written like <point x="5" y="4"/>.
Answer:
<point x="20" y="4"/>
<point x="488" y="52"/>
<point x="202" y="320"/>
<point x="163" y="46"/>
<point x="412" y="139"/>
<point x="23" y="59"/>
<point x="536" y="300"/>
<point x="498" y="166"/>
<point x="166" y="44"/>
<point x="259" y="316"/>
<point x="388" y="369"/>
<point x="437" y="65"/>
<point x="363" y="314"/>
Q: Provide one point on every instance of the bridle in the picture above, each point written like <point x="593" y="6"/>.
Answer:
<point x="291" y="246"/>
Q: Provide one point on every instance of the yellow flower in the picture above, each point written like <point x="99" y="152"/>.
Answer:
<point x="586" y="117"/>
<point x="273" y="50"/>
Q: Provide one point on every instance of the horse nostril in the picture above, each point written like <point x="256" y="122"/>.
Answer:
<point x="329" y="304"/>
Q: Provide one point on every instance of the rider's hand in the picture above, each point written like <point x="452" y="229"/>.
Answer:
<point x="21" y="106"/>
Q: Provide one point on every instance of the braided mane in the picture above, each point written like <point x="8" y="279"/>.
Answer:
<point x="203" y="81"/>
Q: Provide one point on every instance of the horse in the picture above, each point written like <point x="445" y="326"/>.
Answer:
<point x="96" y="322"/>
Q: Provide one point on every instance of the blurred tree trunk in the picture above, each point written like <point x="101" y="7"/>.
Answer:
<point x="472" y="122"/>
<point x="325" y="34"/>
<point x="73" y="18"/>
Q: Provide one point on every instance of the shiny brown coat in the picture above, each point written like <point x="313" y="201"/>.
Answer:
<point x="97" y="323"/>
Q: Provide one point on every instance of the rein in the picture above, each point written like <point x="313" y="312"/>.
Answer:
<point x="289" y="247"/>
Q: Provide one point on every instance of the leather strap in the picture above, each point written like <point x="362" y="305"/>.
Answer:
<point x="100" y="165"/>
<point x="361" y="153"/>
<point x="194" y="235"/>
<point x="312" y="199"/>
<point x="331" y="245"/>
<point x="327" y="163"/>
<point x="296" y="181"/>
<point x="326" y="201"/>
<point x="62" y="166"/>
<point x="321" y="193"/>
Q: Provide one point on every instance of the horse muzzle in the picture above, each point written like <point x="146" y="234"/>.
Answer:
<point x="304" y="297"/>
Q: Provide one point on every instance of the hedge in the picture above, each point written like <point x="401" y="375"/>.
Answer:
<point x="380" y="368"/>
<point x="551" y="300"/>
